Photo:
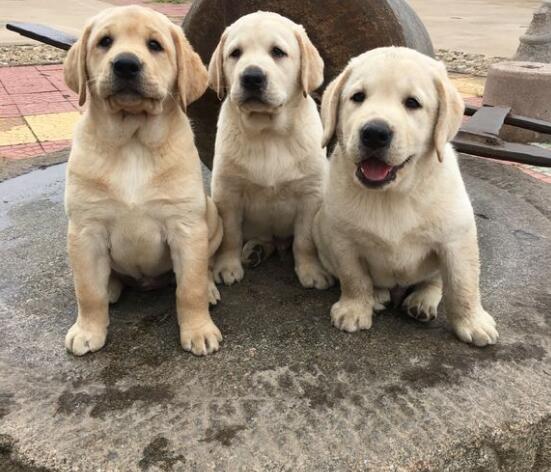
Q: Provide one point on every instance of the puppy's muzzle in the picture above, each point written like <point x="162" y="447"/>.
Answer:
<point x="127" y="67"/>
<point x="253" y="81"/>
<point x="373" y="170"/>
<point x="376" y="135"/>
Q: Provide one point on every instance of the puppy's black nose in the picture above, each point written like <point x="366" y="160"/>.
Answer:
<point x="376" y="135"/>
<point x="253" y="79"/>
<point x="127" y="66"/>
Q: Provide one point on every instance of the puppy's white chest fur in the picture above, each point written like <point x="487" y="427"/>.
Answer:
<point x="270" y="189"/>
<point x="129" y="207"/>
<point x="271" y="174"/>
<point x="138" y="233"/>
<point x="131" y="175"/>
<point x="391" y="239"/>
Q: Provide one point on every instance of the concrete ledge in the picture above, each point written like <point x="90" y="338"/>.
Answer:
<point x="287" y="391"/>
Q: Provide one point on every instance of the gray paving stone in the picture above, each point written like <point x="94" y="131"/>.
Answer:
<point x="287" y="391"/>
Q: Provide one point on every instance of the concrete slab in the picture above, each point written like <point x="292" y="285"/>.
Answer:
<point x="287" y="391"/>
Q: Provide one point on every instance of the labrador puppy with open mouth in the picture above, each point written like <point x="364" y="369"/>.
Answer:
<point x="134" y="195"/>
<point x="395" y="210"/>
<point x="269" y="165"/>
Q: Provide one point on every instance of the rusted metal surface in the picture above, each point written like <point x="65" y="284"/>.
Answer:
<point x="532" y="124"/>
<point x="44" y="34"/>
<point x="480" y="136"/>
<point x="487" y="121"/>
<point x="340" y="29"/>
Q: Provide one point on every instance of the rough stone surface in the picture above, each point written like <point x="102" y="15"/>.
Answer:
<point x="525" y="87"/>
<point x="287" y="391"/>
<point x="535" y="45"/>
<point x="375" y="23"/>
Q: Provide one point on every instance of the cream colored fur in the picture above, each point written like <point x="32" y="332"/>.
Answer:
<point x="269" y="165"/>
<point x="418" y="229"/>
<point x="134" y="194"/>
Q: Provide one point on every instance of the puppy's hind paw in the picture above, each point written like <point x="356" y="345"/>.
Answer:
<point x="382" y="298"/>
<point x="313" y="275"/>
<point x="422" y="303"/>
<point x="351" y="316"/>
<point x="478" y="329"/>
<point x="114" y="289"/>
<point x="255" y="252"/>
<point x="228" y="270"/>
<point x="214" y="293"/>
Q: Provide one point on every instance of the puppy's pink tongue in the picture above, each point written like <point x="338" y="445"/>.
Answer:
<point x="374" y="169"/>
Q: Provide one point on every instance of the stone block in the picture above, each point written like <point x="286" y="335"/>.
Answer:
<point x="525" y="87"/>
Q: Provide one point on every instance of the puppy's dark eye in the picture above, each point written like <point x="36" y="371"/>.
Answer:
<point x="105" y="42"/>
<point x="154" y="45"/>
<point x="236" y="53"/>
<point x="278" y="52"/>
<point x="358" y="97"/>
<point x="412" y="103"/>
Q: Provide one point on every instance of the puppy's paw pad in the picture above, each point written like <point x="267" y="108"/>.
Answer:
<point x="201" y="341"/>
<point x="351" y="316"/>
<point x="423" y="303"/>
<point x="382" y="298"/>
<point x="253" y="254"/>
<point x="314" y="276"/>
<point x="214" y="293"/>
<point x="478" y="329"/>
<point x="80" y="341"/>
<point x="228" y="271"/>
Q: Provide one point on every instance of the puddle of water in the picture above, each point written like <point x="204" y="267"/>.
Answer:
<point x="45" y="183"/>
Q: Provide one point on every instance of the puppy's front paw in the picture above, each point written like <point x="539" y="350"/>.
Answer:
<point x="351" y="315"/>
<point x="201" y="340"/>
<point x="228" y="269"/>
<point x="478" y="328"/>
<point x="313" y="275"/>
<point x="79" y="340"/>
<point x="422" y="303"/>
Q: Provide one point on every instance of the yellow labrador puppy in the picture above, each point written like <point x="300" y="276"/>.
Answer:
<point x="395" y="210"/>
<point x="269" y="164"/>
<point x="134" y="195"/>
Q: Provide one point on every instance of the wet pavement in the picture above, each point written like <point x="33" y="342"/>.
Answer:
<point x="287" y="391"/>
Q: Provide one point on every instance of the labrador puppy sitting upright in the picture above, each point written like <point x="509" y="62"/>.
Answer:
<point x="134" y="194"/>
<point x="395" y="211"/>
<point x="269" y="165"/>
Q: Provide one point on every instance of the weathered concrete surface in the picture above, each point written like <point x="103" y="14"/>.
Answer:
<point x="287" y="391"/>
<point x="535" y="45"/>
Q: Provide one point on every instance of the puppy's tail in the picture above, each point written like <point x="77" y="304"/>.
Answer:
<point x="214" y="223"/>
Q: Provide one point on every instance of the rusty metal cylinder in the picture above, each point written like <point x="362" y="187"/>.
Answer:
<point x="340" y="29"/>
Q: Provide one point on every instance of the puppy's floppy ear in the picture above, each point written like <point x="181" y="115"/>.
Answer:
<point x="217" y="82"/>
<point x="450" y="112"/>
<point x="74" y="67"/>
<point x="311" y="63"/>
<point x="330" y="106"/>
<point x="191" y="79"/>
